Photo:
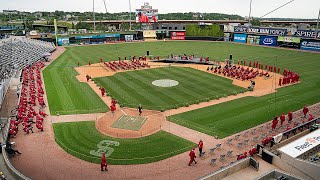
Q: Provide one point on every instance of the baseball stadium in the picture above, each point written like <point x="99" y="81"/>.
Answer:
<point x="207" y="99"/>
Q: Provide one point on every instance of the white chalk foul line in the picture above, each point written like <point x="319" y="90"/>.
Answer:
<point x="124" y="112"/>
<point x="129" y="118"/>
<point x="143" y="120"/>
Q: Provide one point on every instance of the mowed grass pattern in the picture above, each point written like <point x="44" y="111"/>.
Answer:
<point x="222" y="120"/>
<point x="79" y="138"/>
<point x="135" y="87"/>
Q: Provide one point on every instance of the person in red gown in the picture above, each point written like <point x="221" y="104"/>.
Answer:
<point x="282" y="119"/>
<point x="104" y="163"/>
<point x="290" y="116"/>
<point x="305" y="110"/>
<point x="192" y="155"/>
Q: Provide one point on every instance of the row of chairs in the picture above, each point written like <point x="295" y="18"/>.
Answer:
<point x="20" y="52"/>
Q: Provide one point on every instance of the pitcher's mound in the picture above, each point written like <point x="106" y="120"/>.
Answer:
<point x="126" y="123"/>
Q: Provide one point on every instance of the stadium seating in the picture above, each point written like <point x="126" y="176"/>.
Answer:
<point x="17" y="53"/>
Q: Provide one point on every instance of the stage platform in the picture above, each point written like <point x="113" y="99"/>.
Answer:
<point x="184" y="61"/>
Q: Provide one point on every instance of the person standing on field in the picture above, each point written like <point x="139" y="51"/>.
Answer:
<point x="140" y="109"/>
<point x="104" y="163"/>
<point x="200" y="146"/>
<point x="192" y="155"/>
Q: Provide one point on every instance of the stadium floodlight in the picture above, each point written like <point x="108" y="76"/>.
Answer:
<point x="130" y="15"/>
<point x="94" y="18"/>
<point x="250" y="11"/>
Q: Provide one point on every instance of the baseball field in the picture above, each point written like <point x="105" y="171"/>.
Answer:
<point x="66" y="95"/>
<point x="82" y="140"/>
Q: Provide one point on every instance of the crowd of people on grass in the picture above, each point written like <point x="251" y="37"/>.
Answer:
<point x="31" y="99"/>
<point x="123" y="65"/>
<point x="242" y="72"/>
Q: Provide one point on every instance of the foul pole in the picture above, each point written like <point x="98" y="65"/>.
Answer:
<point x="317" y="29"/>
<point x="130" y="14"/>
<point x="94" y="18"/>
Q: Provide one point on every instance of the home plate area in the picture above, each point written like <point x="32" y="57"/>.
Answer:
<point x="133" y="123"/>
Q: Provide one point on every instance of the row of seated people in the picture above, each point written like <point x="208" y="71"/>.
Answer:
<point x="123" y="65"/>
<point x="289" y="78"/>
<point x="239" y="72"/>
<point x="30" y="92"/>
<point x="274" y="69"/>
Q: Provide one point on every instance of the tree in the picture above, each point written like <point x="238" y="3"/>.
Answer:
<point x="72" y="26"/>
<point x="255" y="22"/>
<point x="29" y="23"/>
<point x="83" y="25"/>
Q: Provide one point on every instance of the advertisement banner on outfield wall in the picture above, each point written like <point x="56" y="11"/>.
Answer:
<point x="306" y="33"/>
<point x="289" y="39"/>
<point x="178" y="35"/>
<point x="253" y="39"/>
<point x="258" y="30"/>
<point x="240" y="38"/>
<point x="310" y="45"/>
<point x="63" y="41"/>
<point x="268" y="40"/>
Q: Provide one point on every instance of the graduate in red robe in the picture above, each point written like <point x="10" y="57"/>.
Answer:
<point x="104" y="163"/>
<point x="282" y="119"/>
<point x="305" y="110"/>
<point x="192" y="156"/>
<point x="290" y="117"/>
<point x="280" y="82"/>
<point x="103" y="91"/>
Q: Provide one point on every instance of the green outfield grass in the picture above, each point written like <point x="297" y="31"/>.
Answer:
<point x="79" y="138"/>
<point x="135" y="87"/>
<point x="222" y="120"/>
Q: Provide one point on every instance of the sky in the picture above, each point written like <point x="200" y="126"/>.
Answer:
<point x="307" y="9"/>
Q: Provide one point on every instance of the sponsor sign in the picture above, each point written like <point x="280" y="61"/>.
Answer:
<point x="128" y="38"/>
<point x="149" y="34"/>
<point x="310" y="45"/>
<point x="258" y="30"/>
<point x="302" y="145"/>
<point x="289" y="39"/>
<point x="253" y="39"/>
<point x="241" y="38"/>
<point x="63" y="41"/>
<point x="268" y="40"/>
<point x="306" y="33"/>
<point x="228" y="28"/>
<point x="98" y="36"/>
<point x="226" y="37"/>
<point x="178" y="35"/>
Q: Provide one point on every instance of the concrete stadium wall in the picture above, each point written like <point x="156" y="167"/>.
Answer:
<point x="12" y="170"/>
<point x="228" y="170"/>
<point x="281" y="162"/>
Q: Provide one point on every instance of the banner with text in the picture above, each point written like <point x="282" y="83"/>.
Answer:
<point x="178" y="35"/>
<point x="98" y="36"/>
<point x="258" y="30"/>
<point x="268" y="40"/>
<point x="310" y="45"/>
<point x="253" y="39"/>
<point x="306" y="34"/>
<point x="289" y="39"/>
<point x="63" y="41"/>
<point x="241" y="38"/>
